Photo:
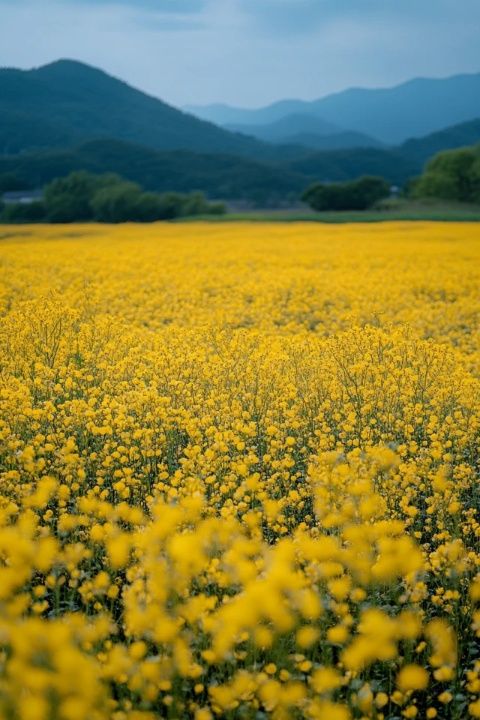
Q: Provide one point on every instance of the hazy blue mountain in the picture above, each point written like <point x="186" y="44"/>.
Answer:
<point x="227" y="115"/>
<point x="286" y="127"/>
<point x="392" y="115"/>
<point x="413" y="109"/>
<point x="68" y="102"/>
<point x="307" y="130"/>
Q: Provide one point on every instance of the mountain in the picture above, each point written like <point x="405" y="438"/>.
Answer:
<point x="226" y="115"/>
<point x="285" y="127"/>
<point x="396" y="164"/>
<point x="337" y="141"/>
<point x="307" y="130"/>
<point x="392" y="115"/>
<point x="68" y="102"/>
<point x="422" y="149"/>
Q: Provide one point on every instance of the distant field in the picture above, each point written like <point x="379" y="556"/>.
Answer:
<point x="239" y="472"/>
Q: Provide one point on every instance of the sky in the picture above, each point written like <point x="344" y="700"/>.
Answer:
<point x="246" y="53"/>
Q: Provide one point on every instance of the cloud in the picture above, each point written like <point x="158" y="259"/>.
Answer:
<point x="288" y="16"/>
<point x="246" y="52"/>
<point x="177" y="7"/>
<point x="308" y="16"/>
<point x="163" y="23"/>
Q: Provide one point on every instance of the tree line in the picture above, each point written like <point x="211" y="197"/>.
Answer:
<point x="452" y="175"/>
<point x="360" y="194"/>
<point x="84" y="197"/>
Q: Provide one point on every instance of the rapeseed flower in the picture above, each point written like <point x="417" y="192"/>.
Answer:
<point x="239" y="472"/>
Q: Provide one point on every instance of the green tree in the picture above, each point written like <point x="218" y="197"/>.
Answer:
<point x="149" y="207"/>
<point x="197" y="204"/>
<point x="83" y="197"/>
<point x="452" y="175"/>
<point x="171" y="205"/>
<point x="116" y="203"/>
<point x="359" y="194"/>
<point x="22" y="212"/>
<point x="69" y="199"/>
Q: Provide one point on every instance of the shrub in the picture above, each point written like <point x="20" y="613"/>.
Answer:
<point x="83" y="197"/>
<point x="108" y="198"/>
<point x="23" y="212"/>
<point x="359" y="194"/>
<point x="116" y="203"/>
<point x="68" y="199"/>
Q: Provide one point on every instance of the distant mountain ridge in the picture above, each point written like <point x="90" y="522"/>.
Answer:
<point x="69" y="116"/>
<point x="308" y="130"/>
<point x="285" y="126"/>
<point x="224" y="115"/>
<point x="68" y="102"/>
<point x="346" y="140"/>
<point x="392" y="115"/>
<point x="421" y="149"/>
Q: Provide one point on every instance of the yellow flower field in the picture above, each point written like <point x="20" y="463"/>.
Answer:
<point x="240" y="472"/>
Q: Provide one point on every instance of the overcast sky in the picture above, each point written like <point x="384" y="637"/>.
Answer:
<point x="246" y="52"/>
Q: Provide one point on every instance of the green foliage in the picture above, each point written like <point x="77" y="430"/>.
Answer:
<point x="69" y="199"/>
<point x="84" y="197"/>
<point x="359" y="194"/>
<point x="125" y="201"/>
<point x="451" y="175"/>
<point x="22" y="212"/>
<point x="196" y="204"/>
<point x="219" y="176"/>
<point x="116" y="203"/>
